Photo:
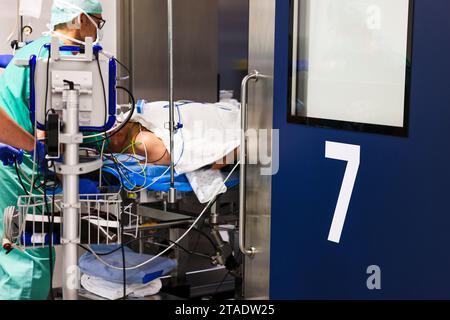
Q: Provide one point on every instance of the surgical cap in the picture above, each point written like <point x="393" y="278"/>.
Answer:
<point x="64" y="11"/>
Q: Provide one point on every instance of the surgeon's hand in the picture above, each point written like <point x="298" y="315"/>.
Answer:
<point x="9" y="155"/>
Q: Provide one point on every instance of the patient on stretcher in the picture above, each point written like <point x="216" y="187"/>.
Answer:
<point x="207" y="134"/>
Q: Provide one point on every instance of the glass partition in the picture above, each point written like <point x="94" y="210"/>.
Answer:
<point x="351" y="62"/>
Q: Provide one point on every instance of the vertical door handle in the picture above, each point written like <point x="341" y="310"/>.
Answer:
<point x="248" y="251"/>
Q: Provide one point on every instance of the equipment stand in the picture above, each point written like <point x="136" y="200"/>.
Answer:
<point x="71" y="204"/>
<point x="71" y="208"/>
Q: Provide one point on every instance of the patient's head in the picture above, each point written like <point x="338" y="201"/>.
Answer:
<point x="121" y="139"/>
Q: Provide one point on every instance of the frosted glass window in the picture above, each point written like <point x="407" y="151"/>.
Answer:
<point x="350" y="63"/>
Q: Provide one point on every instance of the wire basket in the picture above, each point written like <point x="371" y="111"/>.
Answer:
<point x="99" y="220"/>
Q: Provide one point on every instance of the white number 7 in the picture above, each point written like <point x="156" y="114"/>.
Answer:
<point x="351" y="154"/>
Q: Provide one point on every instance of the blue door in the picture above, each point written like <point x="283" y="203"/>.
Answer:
<point x="361" y="210"/>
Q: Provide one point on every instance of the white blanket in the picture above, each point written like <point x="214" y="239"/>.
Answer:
<point x="209" y="131"/>
<point x="114" y="291"/>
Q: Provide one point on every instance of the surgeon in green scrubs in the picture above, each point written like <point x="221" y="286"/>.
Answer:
<point x="26" y="275"/>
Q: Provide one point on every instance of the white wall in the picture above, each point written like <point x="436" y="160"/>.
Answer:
<point x="8" y="18"/>
<point x="110" y="15"/>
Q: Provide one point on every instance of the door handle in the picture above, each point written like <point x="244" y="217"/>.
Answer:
<point x="248" y="251"/>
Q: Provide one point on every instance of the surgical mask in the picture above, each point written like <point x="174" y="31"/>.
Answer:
<point x="100" y="35"/>
<point x="59" y="34"/>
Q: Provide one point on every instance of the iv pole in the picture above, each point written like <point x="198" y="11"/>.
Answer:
<point x="172" y="191"/>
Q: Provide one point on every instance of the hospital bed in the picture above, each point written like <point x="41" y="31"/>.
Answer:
<point x="157" y="217"/>
<point x="149" y="189"/>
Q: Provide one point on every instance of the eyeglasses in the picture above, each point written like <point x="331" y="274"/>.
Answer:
<point x="101" y="22"/>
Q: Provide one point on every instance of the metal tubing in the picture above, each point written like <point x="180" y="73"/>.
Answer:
<point x="21" y="30"/>
<point x="172" y="192"/>
<point x="215" y="233"/>
<point x="243" y="168"/>
<point x="71" y="203"/>
<point x="19" y="22"/>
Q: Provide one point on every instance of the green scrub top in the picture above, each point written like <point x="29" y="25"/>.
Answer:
<point x="23" y="275"/>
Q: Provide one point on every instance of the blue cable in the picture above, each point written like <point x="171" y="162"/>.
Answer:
<point x="181" y="131"/>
